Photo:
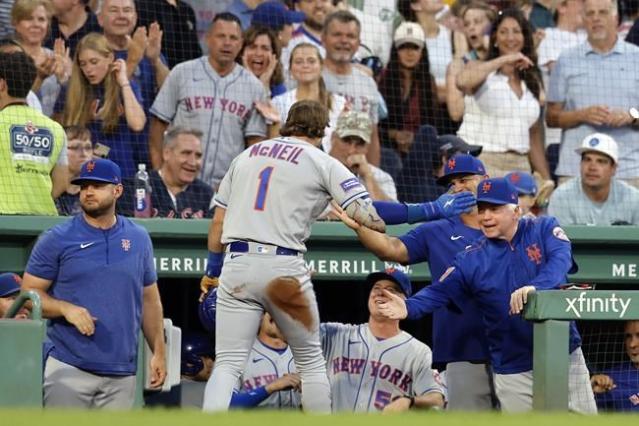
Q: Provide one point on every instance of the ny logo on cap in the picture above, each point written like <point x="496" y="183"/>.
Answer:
<point x="515" y="177"/>
<point x="390" y="270"/>
<point x="486" y="187"/>
<point x="594" y="142"/>
<point x="90" y="166"/>
<point x="451" y="163"/>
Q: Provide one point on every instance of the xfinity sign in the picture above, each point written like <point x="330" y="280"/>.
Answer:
<point x="585" y="303"/>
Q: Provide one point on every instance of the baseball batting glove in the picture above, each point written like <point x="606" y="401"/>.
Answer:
<point x="213" y="271"/>
<point x="207" y="309"/>
<point x="447" y="205"/>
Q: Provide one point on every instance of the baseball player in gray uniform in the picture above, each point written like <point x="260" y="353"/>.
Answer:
<point x="265" y="207"/>
<point x="269" y="379"/>
<point x="376" y="366"/>
<point x="214" y="95"/>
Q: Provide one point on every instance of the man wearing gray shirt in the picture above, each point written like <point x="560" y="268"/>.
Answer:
<point x="341" y="37"/>
<point x="596" y="197"/>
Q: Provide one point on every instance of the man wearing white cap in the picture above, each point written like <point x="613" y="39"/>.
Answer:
<point x="596" y="197"/>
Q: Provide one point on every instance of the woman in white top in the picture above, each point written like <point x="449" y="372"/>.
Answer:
<point x="507" y="88"/>
<point x="306" y="69"/>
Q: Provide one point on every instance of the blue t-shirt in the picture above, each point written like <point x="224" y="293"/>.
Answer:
<point x="457" y="335"/>
<point x="488" y="272"/>
<point x="625" y="396"/>
<point x="103" y="271"/>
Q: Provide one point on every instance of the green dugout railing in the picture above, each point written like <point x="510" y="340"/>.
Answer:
<point x="605" y="255"/>
<point x="551" y="311"/>
<point x="21" y="353"/>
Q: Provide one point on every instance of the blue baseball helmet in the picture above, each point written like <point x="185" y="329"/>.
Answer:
<point x="206" y="310"/>
<point x="195" y="346"/>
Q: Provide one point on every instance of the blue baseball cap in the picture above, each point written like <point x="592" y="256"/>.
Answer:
<point x="497" y="191"/>
<point x="9" y="284"/>
<point x="275" y="15"/>
<point x="524" y="182"/>
<point x="461" y="164"/>
<point x="394" y="275"/>
<point x="99" y="170"/>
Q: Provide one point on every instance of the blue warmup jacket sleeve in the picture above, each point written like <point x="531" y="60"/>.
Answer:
<point x="447" y="290"/>
<point x="558" y="258"/>
<point x="249" y="399"/>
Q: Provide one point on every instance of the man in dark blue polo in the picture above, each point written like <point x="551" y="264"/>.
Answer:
<point x="96" y="278"/>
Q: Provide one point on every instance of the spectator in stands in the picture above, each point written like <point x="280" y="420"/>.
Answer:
<point x="178" y="25"/>
<point x="526" y="188"/>
<point x="507" y="88"/>
<point x="418" y="181"/>
<point x="311" y="29"/>
<point x="9" y="290"/>
<point x="32" y="175"/>
<point x="100" y="96"/>
<point x="341" y="40"/>
<point x="596" y="197"/>
<point x="79" y="150"/>
<point x="215" y="95"/>
<point x="439" y="39"/>
<point x="604" y="106"/>
<point x="10" y="45"/>
<point x="409" y="90"/>
<point x="567" y="33"/>
<point x="617" y="389"/>
<point x="260" y="54"/>
<point x="244" y="9"/>
<point x="275" y="16"/>
<point x="306" y="70"/>
<point x="140" y="49"/>
<point x="350" y="141"/>
<point x="477" y="18"/>
<point x="72" y="20"/>
<point x="176" y="191"/>
<point x="629" y="11"/>
<point x="31" y="19"/>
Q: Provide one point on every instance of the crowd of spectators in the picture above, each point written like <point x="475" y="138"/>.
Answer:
<point x="526" y="83"/>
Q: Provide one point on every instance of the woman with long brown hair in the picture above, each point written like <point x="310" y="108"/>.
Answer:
<point x="261" y="55"/>
<point x="100" y="97"/>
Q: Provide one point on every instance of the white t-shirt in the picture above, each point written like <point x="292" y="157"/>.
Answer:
<point x="284" y="102"/>
<point x="505" y="118"/>
<point x="440" y="53"/>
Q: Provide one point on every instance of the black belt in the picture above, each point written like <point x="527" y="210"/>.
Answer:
<point x="243" y="247"/>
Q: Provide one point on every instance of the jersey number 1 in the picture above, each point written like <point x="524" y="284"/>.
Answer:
<point x="262" y="189"/>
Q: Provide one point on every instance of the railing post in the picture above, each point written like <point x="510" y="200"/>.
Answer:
<point x="550" y="365"/>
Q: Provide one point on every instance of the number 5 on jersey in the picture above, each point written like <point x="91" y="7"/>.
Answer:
<point x="262" y="189"/>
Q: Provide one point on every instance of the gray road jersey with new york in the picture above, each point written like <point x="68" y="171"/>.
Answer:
<point x="275" y="189"/>
<point x="194" y="95"/>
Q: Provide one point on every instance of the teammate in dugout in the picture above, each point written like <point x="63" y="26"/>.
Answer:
<point x="516" y="256"/>
<point x="264" y="228"/>
<point x="376" y="366"/>
<point x="95" y="276"/>
<point x="468" y="373"/>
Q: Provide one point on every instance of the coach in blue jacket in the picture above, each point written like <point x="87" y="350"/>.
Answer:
<point x="515" y="256"/>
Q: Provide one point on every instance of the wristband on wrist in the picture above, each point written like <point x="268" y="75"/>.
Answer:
<point x="125" y="85"/>
<point x="410" y="398"/>
<point x="214" y="264"/>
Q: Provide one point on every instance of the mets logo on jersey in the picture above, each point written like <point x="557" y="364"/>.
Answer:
<point x="126" y="244"/>
<point x="534" y="253"/>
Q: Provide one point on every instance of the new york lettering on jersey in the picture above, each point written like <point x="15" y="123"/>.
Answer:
<point x="192" y="103"/>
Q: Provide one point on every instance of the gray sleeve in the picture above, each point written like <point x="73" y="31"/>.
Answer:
<point x="166" y="102"/>
<point x="341" y="184"/>
<point x="255" y="123"/>
<point x="424" y="376"/>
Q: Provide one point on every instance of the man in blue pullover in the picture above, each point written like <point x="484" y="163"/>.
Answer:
<point x="97" y="282"/>
<point x="515" y="256"/>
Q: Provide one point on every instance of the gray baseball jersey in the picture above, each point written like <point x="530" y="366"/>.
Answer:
<point x="264" y="366"/>
<point x="222" y="108"/>
<point x="365" y="373"/>
<point x="280" y="186"/>
<point x="359" y="89"/>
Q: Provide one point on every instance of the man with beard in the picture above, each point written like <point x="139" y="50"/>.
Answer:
<point x="97" y="282"/>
